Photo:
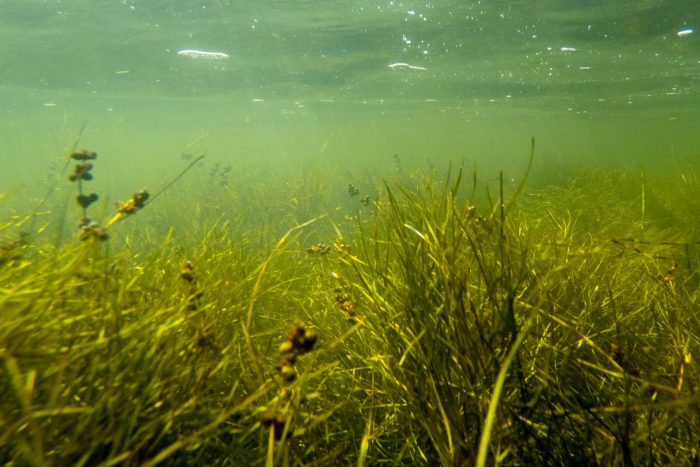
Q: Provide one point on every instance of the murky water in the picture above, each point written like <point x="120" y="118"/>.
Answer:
<point x="349" y="82"/>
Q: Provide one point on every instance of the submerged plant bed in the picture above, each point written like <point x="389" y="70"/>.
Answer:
<point x="429" y="320"/>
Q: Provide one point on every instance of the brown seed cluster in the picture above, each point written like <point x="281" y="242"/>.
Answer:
<point x="83" y="155"/>
<point x="299" y="341"/>
<point x="136" y="202"/>
<point x="187" y="274"/>
<point x="354" y="191"/>
<point x="344" y="302"/>
<point x="277" y="418"/>
<point x="343" y="299"/>
<point x="669" y="278"/>
<point x="91" y="229"/>
<point x="319" y="249"/>
<point x="84" y="201"/>
<point x="82" y="172"/>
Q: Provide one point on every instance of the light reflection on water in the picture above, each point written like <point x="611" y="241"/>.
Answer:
<point x="594" y="78"/>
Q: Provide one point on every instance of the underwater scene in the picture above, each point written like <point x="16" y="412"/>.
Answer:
<point x="349" y="232"/>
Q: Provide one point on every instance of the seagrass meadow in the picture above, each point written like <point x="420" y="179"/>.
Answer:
<point x="428" y="315"/>
<point x="300" y="233"/>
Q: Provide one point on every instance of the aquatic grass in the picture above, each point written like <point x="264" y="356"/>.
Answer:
<point x="445" y="321"/>
<point x="417" y="305"/>
<point x="457" y="322"/>
<point x="125" y="315"/>
<point x="148" y="337"/>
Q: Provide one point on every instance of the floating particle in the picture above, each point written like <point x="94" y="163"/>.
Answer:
<point x="684" y="32"/>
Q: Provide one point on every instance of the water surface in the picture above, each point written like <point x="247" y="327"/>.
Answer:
<point x="593" y="81"/>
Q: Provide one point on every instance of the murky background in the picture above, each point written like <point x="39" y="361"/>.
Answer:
<point x="348" y="84"/>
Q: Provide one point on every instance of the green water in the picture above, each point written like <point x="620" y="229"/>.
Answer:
<point x="459" y="317"/>
<point x="592" y="81"/>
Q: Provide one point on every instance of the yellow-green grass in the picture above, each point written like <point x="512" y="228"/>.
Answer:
<point x="536" y="324"/>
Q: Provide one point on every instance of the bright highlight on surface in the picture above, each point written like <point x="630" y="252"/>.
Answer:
<point x="406" y="66"/>
<point x="684" y="32"/>
<point x="209" y="55"/>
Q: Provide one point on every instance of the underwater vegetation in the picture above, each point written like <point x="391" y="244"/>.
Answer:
<point x="430" y="319"/>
